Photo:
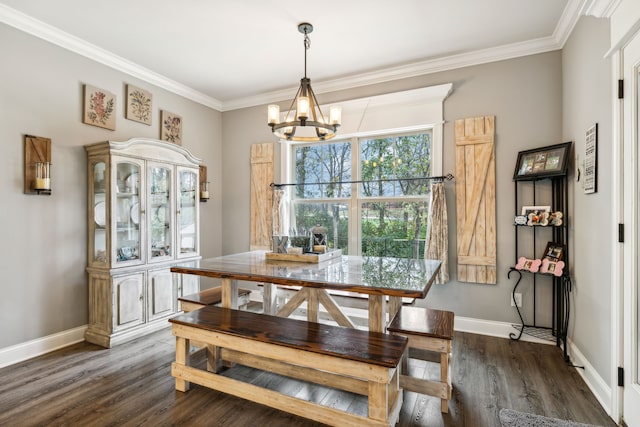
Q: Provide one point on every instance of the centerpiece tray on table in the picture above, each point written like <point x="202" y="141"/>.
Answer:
<point x="311" y="258"/>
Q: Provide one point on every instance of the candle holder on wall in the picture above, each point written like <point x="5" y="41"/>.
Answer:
<point x="204" y="184"/>
<point x="37" y="165"/>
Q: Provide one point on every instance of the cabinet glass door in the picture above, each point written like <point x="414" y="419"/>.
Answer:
<point x="159" y="212"/>
<point x="127" y="212"/>
<point x="187" y="212"/>
<point x="99" y="214"/>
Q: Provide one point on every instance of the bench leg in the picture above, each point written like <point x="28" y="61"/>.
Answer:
<point x="378" y="402"/>
<point x="445" y="378"/>
<point x="214" y="361"/>
<point x="183" y="356"/>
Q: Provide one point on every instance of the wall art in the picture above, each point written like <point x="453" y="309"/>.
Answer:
<point x="99" y="108"/>
<point x="591" y="160"/>
<point x="138" y="105"/>
<point x="171" y="127"/>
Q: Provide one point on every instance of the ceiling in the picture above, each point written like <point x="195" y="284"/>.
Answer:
<point x="230" y="54"/>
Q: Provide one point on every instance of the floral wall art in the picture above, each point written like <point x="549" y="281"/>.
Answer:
<point x="99" y="108"/>
<point x="138" y="105"/>
<point x="171" y="127"/>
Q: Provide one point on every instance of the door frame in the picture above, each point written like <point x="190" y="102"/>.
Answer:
<point x="625" y="273"/>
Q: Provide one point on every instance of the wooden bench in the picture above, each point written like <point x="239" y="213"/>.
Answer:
<point x="354" y="360"/>
<point x="210" y="296"/>
<point x="432" y="331"/>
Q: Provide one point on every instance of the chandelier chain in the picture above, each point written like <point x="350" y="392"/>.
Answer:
<point x="307" y="45"/>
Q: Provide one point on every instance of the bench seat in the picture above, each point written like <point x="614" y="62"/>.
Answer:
<point x="354" y="360"/>
<point x="429" y="330"/>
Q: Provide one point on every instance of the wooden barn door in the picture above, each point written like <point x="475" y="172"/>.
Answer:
<point x="261" y="195"/>
<point x="476" y="199"/>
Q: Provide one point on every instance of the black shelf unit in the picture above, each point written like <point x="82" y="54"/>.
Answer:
<point x="539" y="236"/>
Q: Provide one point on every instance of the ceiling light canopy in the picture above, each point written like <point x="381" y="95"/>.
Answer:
<point x="305" y="122"/>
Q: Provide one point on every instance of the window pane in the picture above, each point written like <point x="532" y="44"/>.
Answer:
<point x="325" y="163"/>
<point x="407" y="156"/>
<point x="394" y="229"/>
<point x="334" y="216"/>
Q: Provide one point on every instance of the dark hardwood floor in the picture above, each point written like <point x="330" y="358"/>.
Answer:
<point x="131" y="385"/>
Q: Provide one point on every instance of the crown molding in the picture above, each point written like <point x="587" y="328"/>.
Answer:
<point x="600" y="8"/>
<point x="447" y="63"/>
<point x="562" y="31"/>
<point x="74" y="44"/>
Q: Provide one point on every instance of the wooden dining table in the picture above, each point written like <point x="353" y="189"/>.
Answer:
<point x="385" y="280"/>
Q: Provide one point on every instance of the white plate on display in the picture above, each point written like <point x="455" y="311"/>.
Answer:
<point x="100" y="214"/>
<point x="135" y="213"/>
<point x="132" y="182"/>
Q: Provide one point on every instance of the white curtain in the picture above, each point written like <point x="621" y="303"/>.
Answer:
<point x="437" y="242"/>
<point x="279" y="212"/>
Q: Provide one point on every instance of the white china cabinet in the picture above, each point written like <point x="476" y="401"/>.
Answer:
<point x="143" y="217"/>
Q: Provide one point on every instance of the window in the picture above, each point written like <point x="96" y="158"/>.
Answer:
<point x="386" y="206"/>
<point x="386" y="141"/>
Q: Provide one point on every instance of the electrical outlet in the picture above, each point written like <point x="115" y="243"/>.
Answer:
<point x="518" y="298"/>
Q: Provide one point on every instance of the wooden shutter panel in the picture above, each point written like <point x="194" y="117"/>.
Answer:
<point x="261" y="195"/>
<point x="476" y="199"/>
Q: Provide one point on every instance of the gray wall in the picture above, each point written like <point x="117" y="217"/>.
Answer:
<point x="587" y="98"/>
<point x="524" y="94"/>
<point x="43" y="241"/>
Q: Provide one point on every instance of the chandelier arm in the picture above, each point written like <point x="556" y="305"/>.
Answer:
<point x="291" y="107"/>
<point x="315" y="102"/>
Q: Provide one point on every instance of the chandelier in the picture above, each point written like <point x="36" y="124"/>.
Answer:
<point x="306" y="122"/>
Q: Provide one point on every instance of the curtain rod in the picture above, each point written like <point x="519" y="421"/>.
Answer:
<point x="447" y="177"/>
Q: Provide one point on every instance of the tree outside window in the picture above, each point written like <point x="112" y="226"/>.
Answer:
<point x="392" y="203"/>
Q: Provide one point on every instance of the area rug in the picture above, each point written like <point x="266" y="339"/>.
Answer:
<point x="511" y="418"/>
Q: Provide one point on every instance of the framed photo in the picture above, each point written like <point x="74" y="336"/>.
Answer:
<point x="526" y="210"/>
<point x="171" y="127"/>
<point x="553" y="252"/>
<point x="99" y="108"/>
<point x="543" y="162"/>
<point x="591" y="160"/>
<point x="138" y="105"/>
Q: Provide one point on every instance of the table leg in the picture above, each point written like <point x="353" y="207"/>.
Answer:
<point x="229" y="293"/>
<point x="269" y="296"/>
<point x="395" y="303"/>
<point x="377" y="313"/>
<point x="312" y="305"/>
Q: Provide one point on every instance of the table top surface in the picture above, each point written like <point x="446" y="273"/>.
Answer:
<point x="402" y="277"/>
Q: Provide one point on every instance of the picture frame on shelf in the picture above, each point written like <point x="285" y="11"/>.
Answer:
<point x="526" y="210"/>
<point x="543" y="162"/>
<point x="553" y="252"/>
<point x="536" y="215"/>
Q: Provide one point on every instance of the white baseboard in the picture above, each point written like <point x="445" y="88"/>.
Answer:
<point x="599" y="387"/>
<point x="492" y="328"/>
<point x="27" y="350"/>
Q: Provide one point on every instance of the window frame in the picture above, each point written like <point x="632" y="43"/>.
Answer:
<point x="356" y="200"/>
<point x="389" y="115"/>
